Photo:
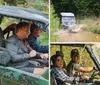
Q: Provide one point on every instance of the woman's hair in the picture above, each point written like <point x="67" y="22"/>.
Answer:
<point x="74" y="52"/>
<point x="54" y="57"/>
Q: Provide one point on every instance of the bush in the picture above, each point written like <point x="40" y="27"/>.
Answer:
<point x="92" y="22"/>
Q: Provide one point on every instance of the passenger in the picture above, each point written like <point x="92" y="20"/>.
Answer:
<point x="74" y="66"/>
<point x="20" y="50"/>
<point x="34" y="40"/>
<point x="59" y="72"/>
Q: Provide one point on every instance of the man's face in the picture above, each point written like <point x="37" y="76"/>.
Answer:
<point x="37" y="32"/>
<point x="76" y="59"/>
<point x="25" y="31"/>
<point x="59" y="62"/>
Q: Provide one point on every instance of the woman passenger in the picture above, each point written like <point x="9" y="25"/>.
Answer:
<point x="59" y="72"/>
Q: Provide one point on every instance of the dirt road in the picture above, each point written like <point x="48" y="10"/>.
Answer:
<point x="80" y="36"/>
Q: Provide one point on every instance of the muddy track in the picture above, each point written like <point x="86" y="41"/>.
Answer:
<point x="80" y="36"/>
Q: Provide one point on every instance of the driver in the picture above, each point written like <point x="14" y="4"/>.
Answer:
<point x="74" y="66"/>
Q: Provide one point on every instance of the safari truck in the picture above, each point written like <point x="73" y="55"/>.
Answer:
<point x="68" y="21"/>
<point x="93" y="51"/>
<point x="10" y="75"/>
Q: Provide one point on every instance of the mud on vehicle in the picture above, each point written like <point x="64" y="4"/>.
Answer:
<point x="68" y="22"/>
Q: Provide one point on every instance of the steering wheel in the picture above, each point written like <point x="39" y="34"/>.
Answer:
<point x="94" y="74"/>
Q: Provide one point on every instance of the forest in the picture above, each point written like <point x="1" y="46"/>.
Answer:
<point x="78" y="7"/>
<point x="34" y="4"/>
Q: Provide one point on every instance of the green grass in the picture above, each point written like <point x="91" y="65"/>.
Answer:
<point x="92" y="23"/>
<point x="54" y="25"/>
<point x="54" y="20"/>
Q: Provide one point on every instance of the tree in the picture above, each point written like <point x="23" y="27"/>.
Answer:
<point x="34" y="4"/>
<point x="78" y="7"/>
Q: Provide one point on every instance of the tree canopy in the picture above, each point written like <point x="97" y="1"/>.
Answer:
<point x="78" y="7"/>
<point x="42" y="5"/>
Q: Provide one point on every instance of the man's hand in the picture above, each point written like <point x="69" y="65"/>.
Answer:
<point x="95" y="68"/>
<point x="73" y="72"/>
<point x="44" y="56"/>
<point x="84" y="78"/>
<point x="32" y="53"/>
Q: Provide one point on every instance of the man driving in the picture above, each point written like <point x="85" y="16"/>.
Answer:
<point x="74" y="66"/>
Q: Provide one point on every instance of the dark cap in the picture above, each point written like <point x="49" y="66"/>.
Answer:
<point x="74" y="53"/>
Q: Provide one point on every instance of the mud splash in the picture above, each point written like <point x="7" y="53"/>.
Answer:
<point x="80" y="36"/>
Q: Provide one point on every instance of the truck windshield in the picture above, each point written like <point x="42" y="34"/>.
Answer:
<point x="96" y="50"/>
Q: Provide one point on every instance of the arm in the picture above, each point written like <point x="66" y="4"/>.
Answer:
<point x="38" y="55"/>
<point x="85" y="69"/>
<point x="16" y="57"/>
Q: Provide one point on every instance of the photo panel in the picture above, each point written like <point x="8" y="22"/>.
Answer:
<point x="74" y="64"/>
<point x="74" y="21"/>
<point x="24" y="42"/>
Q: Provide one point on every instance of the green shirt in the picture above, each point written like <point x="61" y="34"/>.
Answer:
<point x="72" y="66"/>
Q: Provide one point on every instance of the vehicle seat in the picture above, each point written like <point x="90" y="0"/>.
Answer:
<point x="1" y="38"/>
<point x="4" y="54"/>
<point x="9" y="29"/>
<point x="52" y="80"/>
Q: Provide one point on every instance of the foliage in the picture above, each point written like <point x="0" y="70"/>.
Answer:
<point x="92" y="23"/>
<point x="54" y="20"/>
<point x="78" y="7"/>
<point x="54" y="24"/>
<point x="38" y="4"/>
<point x="1" y="2"/>
<point x="34" y="4"/>
<point x="44" y="38"/>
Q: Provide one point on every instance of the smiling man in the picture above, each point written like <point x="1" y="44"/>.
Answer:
<point x="20" y="51"/>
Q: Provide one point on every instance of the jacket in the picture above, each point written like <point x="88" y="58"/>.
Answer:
<point x="19" y="53"/>
<point x="36" y="45"/>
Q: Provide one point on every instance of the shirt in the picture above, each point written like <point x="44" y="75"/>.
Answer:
<point x="72" y="66"/>
<point x="19" y="52"/>
<point x="61" y="76"/>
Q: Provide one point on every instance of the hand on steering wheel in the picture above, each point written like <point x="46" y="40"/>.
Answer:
<point x="95" y="73"/>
